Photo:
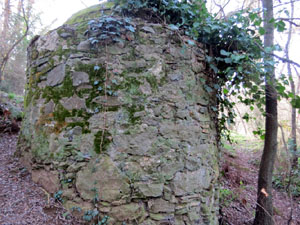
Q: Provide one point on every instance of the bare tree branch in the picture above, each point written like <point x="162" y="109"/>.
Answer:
<point x="7" y="54"/>
<point x="278" y="57"/>
<point x="221" y="7"/>
<point x="289" y="21"/>
<point x="286" y="3"/>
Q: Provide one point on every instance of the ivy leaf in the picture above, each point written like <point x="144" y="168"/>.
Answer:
<point x="216" y="86"/>
<point x="127" y="20"/>
<point x="272" y="20"/>
<point x="236" y="58"/>
<point x="66" y="214"/>
<point x="196" y="24"/>
<point x="165" y="2"/>
<point x="94" y="41"/>
<point x="110" y="19"/>
<point x="253" y="16"/>
<point x="214" y="109"/>
<point x="225" y="53"/>
<point x="208" y="88"/>
<point x="103" y="37"/>
<point x="257" y="22"/>
<point x="86" y="32"/>
<point x="95" y="213"/>
<point x="209" y="59"/>
<point x="246" y="117"/>
<point x="190" y="42"/>
<point x="96" y="68"/>
<point x="281" y="89"/>
<point x="215" y="69"/>
<point x="261" y="31"/>
<point x="130" y="28"/>
<point x="296" y="102"/>
<point x="91" y="22"/>
<point x="228" y="60"/>
<point x="280" y="26"/>
<point x="173" y="27"/>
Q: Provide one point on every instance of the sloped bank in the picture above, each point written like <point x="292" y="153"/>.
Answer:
<point x="121" y="130"/>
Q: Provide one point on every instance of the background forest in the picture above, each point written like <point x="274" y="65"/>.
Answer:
<point x="242" y="115"/>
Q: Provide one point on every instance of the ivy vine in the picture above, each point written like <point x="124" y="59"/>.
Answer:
<point x="233" y="46"/>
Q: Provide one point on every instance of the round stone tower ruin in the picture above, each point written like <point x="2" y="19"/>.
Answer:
<point x="119" y="126"/>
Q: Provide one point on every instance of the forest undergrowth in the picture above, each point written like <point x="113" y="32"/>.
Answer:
<point x="239" y="170"/>
<point x="21" y="200"/>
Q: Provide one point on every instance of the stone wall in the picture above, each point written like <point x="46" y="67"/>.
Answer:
<point x="122" y="128"/>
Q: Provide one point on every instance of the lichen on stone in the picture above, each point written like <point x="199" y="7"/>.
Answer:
<point x="124" y="126"/>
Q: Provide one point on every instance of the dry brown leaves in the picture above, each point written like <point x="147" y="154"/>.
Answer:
<point x="21" y="200"/>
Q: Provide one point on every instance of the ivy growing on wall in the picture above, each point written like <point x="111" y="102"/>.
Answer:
<point x="233" y="46"/>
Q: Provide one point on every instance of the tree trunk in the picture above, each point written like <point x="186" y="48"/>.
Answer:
<point x="264" y="209"/>
<point x="292" y="83"/>
<point x="7" y="50"/>
<point x="7" y="13"/>
<point x="4" y="36"/>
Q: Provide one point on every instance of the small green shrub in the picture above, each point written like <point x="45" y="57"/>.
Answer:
<point x="93" y="215"/>
<point x="11" y="96"/>
<point x="281" y="182"/>
<point x="227" y="197"/>
<point x="58" y="196"/>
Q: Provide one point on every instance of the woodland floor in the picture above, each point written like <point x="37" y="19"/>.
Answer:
<point x="23" y="202"/>
<point x="240" y="170"/>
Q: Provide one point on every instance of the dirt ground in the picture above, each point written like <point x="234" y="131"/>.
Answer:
<point x="240" y="171"/>
<point x="21" y="200"/>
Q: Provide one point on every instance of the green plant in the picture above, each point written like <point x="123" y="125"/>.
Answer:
<point x="226" y="197"/>
<point x="89" y="215"/>
<point x="93" y="215"/>
<point x="11" y="96"/>
<point x="233" y="48"/>
<point x="281" y="181"/>
<point x="58" y="196"/>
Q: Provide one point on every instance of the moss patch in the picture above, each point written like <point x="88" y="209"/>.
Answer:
<point x="85" y="14"/>
<point x="133" y="119"/>
<point x="102" y="141"/>
<point x="131" y="85"/>
<point x="151" y="79"/>
<point x="97" y="80"/>
<point x="61" y="113"/>
<point x="59" y="92"/>
<point x="40" y="147"/>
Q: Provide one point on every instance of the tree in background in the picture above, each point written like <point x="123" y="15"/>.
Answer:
<point x="264" y="209"/>
<point x="293" y="89"/>
<point x="16" y="26"/>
